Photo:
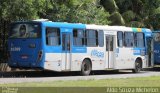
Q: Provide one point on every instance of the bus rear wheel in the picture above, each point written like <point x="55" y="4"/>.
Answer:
<point x="138" y="67"/>
<point x="86" y="67"/>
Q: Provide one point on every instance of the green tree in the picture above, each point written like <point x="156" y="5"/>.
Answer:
<point x="84" y="11"/>
<point x="77" y="11"/>
<point x="140" y="13"/>
<point x="115" y="17"/>
<point x="135" y="13"/>
<point x="20" y="9"/>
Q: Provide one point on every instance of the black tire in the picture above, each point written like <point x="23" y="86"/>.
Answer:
<point x="86" y="67"/>
<point x="138" y="67"/>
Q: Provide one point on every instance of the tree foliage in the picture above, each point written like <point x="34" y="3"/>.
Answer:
<point x="135" y="13"/>
<point x="20" y="9"/>
<point x="83" y="11"/>
<point x="115" y="17"/>
<point x="78" y="11"/>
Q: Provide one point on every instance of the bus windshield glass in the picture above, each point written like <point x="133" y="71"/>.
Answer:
<point x="25" y="30"/>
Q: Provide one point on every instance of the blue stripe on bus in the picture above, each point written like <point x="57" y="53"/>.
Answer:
<point x="79" y="50"/>
<point x="139" y="51"/>
<point x="59" y="50"/>
<point x="63" y="25"/>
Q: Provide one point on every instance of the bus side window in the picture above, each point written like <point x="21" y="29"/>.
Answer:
<point x="107" y="43"/>
<point x="78" y="37"/>
<point x="111" y="43"/>
<point x="139" y="40"/>
<point x="52" y="36"/>
<point x="120" y="39"/>
<point x="101" y="38"/>
<point x="129" y="39"/>
<point x="92" y="38"/>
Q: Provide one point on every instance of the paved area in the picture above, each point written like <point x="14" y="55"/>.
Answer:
<point x="107" y="75"/>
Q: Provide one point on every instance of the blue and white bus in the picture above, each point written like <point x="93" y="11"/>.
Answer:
<point x="156" y="36"/>
<point x="59" y="46"/>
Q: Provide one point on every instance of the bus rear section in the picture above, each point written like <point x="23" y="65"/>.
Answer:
<point x="25" y="45"/>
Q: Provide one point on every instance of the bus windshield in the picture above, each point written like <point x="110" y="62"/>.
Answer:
<point x="25" y="30"/>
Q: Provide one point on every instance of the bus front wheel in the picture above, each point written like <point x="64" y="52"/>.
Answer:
<point x="86" y="67"/>
<point x="138" y="67"/>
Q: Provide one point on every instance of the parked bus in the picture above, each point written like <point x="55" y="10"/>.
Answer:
<point x="156" y="36"/>
<point x="59" y="46"/>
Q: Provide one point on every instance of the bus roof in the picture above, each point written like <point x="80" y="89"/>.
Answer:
<point x="108" y="28"/>
<point x="64" y="24"/>
<point x="117" y="28"/>
<point x="88" y="26"/>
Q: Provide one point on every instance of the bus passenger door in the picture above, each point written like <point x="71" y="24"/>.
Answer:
<point x="66" y="49"/>
<point x="109" y="51"/>
<point x="149" y="55"/>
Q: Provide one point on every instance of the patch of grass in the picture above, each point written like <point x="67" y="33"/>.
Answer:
<point x="153" y="81"/>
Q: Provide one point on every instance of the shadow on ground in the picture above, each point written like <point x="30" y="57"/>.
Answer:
<point x="33" y="74"/>
<point x="155" y="69"/>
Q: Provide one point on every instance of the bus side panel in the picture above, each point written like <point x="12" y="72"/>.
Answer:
<point x="78" y="55"/>
<point x="124" y="58"/>
<point x="97" y="56"/>
<point x="53" y="61"/>
<point x="52" y="54"/>
<point x="77" y="59"/>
